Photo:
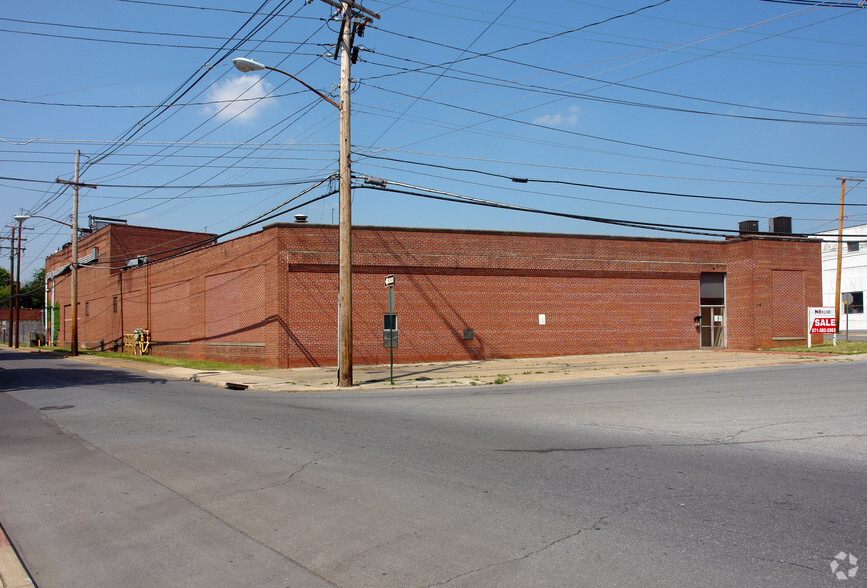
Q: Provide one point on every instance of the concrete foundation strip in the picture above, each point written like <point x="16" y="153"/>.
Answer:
<point x="12" y="572"/>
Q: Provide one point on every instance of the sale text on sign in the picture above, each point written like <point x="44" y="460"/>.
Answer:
<point x="822" y="319"/>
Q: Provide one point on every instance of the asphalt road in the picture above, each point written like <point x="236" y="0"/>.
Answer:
<point x="114" y="478"/>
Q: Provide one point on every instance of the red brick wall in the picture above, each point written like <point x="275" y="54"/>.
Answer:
<point x="270" y="298"/>
<point x="99" y="325"/>
<point x="769" y="286"/>
<point x="27" y="314"/>
<point x="218" y="304"/>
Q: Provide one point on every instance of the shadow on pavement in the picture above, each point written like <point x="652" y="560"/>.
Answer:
<point x="45" y="371"/>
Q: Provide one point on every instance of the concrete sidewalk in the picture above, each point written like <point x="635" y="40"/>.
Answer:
<point x="12" y="573"/>
<point x="478" y="373"/>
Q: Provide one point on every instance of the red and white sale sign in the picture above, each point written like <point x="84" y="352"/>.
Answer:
<point x="822" y="319"/>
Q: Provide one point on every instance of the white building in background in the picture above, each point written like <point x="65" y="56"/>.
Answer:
<point x="853" y="276"/>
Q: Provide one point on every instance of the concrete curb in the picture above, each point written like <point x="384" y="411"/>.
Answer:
<point x="477" y="372"/>
<point x="487" y="372"/>
<point x="12" y="572"/>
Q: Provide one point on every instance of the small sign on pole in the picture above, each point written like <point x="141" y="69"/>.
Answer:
<point x="820" y="319"/>
<point x="389" y="338"/>
<point x="848" y="299"/>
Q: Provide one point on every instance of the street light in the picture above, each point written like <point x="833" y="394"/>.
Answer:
<point x="247" y="65"/>
<point x="344" y="306"/>
<point x="73" y="264"/>
<point x="24" y="217"/>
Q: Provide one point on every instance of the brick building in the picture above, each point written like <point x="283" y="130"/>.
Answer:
<point x="270" y="298"/>
<point x="29" y="321"/>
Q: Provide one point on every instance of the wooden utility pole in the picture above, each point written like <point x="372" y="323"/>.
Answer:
<point x="18" y="291"/>
<point x="840" y="248"/>
<point x="73" y="265"/>
<point x="73" y="344"/>
<point x="344" y="304"/>
<point x="11" y="286"/>
<point x="351" y="23"/>
<point x="344" y="297"/>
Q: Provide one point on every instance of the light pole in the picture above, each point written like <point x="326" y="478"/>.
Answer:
<point x="344" y="308"/>
<point x="347" y="56"/>
<point x="12" y="287"/>
<point x="73" y="265"/>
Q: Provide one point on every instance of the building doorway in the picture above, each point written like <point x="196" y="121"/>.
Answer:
<point x="713" y="330"/>
<point x="712" y="327"/>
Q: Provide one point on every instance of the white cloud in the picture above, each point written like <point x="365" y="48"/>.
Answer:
<point x="561" y="119"/>
<point x="236" y="98"/>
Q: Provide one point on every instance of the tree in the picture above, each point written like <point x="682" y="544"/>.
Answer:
<point x="4" y="288"/>
<point x="33" y="292"/>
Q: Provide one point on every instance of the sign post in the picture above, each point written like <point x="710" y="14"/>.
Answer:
<point x="389" y="281"/>
<point x="820" y="319"/>
<point x="847" y="300"/>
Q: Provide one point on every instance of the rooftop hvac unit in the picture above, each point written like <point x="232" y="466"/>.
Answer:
<point x="98" y="222"/>
<point x="780" y="224"/>
<point x="748" y="226"/>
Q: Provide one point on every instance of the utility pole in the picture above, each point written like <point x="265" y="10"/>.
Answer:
<point x="74" y="261"/>
<point x="840" y="250"/>
<point x="348" y="31"/>
<point x="9" y="294"/>
<point x="11" y="286"/>
<point x="18" y="292"/>
<point x="352" y="23"/>
<point x="15" y="286"/>
<point x="344" y="305"/>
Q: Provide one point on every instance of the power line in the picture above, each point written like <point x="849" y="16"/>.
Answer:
<point x="204" y="103"/>
<point x="122" y="42"/>
<point x="525" y="180"/>
<point x="171" y="99"/>
<point x="202" y="8"/>
<point x="491" y="81"/>
<point x="173" y="187"/>
<point x="618" y="141"/>
<point x="596" y="80"/>
<point x="591" y="170"/>
<point x="407" y="189"/>
<point x="822" y="3"/>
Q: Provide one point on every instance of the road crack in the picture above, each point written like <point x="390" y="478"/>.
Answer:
<point x="660" y="445"/>
<point x="277" y="484"/>
<point x="594" y="526"/>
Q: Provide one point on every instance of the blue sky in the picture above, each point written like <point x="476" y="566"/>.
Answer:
<point x="682" y="113"/>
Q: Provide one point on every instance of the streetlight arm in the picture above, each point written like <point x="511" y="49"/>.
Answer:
<point x="306" y="85"/>
<point x="247" y="65"/>
<point x="23" y="217"/>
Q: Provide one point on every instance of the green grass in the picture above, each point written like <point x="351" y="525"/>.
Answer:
<point x="167" y="361"/>
<point x="842" y="348"/>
